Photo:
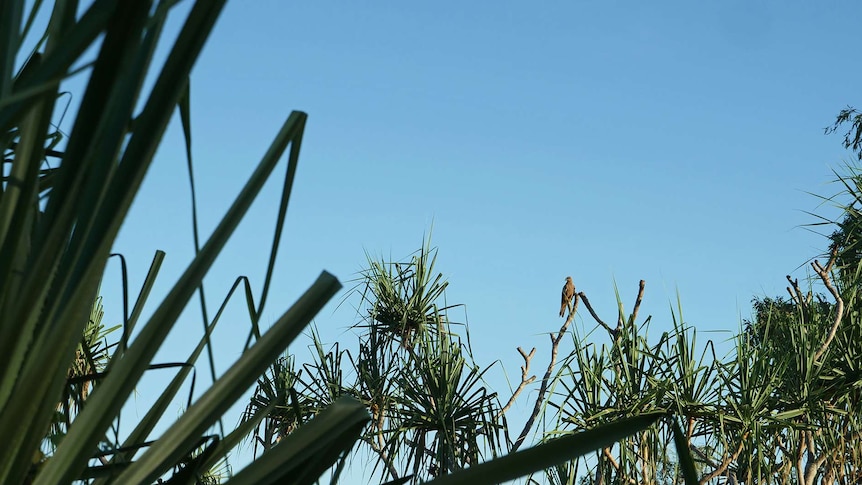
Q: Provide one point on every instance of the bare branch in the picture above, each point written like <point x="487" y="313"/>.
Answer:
<point x="792" y="296"/>
<point x="525" y="369"/>
<point x="555" y="343"/>
<point x="638" y="301"/>
<point x="797" y="295"/>
<point x="596" y="317"/>
<point x="839" y="302"/>
<point x="543" y="387"/>
<point x="832" y="257"/>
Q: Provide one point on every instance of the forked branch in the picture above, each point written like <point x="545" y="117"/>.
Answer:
<point x="543" y="388"/>
<point x="525" y="381"/>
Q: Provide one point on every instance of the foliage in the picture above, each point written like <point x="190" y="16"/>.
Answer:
<point x="431" y="410"/>
<point x="88" y="366"/>
<point x="853" y="136"/>
<point x="781" y="408"/>
<point x="62" y="203"/>
<point x="433" y="415"/>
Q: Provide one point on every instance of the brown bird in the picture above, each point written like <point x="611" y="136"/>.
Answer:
<point x="568" y="294"/>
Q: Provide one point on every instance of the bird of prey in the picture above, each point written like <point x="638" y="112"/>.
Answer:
<point x="568" y="294"/>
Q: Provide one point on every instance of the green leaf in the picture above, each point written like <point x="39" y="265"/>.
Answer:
<point x="684" y="454"/>
<point x="551" y="453"/>
<point x="180" y="437"/>
<point x="311" y="449"/>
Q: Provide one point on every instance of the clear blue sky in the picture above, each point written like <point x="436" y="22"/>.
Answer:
<point x="611" y="141"/>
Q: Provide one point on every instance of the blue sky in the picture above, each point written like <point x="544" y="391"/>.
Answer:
<point x="674" y="142"/>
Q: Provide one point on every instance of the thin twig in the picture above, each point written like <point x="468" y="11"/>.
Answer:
<point x="525" y="381"/>
<point x="703" y="456"/>
<point x="384" y="457"/>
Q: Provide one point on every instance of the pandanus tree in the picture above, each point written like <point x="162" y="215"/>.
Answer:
<point x="432" y="413"/>
<point x="782" y="407"/>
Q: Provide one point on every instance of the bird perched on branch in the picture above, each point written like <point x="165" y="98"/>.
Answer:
<point x="568" y="294"/>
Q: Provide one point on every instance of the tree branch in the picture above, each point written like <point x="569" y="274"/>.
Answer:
<point x="796" y="294"/>
<point x="839" y="302"/>
<point x="703" y="456"/>
<point x="611" y="331"/>
<point x="383" y="457"/>
<point x="607" y="453"/>
<point x="726" y="462"/>
<point x="633" y="317"/>
<point x="543" y="388"/>
<point x="800" y="468"/>
<point x="525" y="369"/>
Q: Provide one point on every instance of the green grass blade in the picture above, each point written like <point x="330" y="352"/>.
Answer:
<point x="143" y="295"/>
<point x="224" y="392"/>
<point x="57" y="62"/>
<point x="107" y="400"/>
<point x="154" y="414"/>
<point x="11" y="14"/>
<point x="683" y="453"/>
<point x="34" y="11"/>
<point x="310" y="450"/>
<point x="293" y="159"/>
<point x="27" y="309"/>
<point x="153" y="120"/>
<point x="184" y="106"/>
<point x="36" y="382"/>
<point x="244" y="429"/>
<point x="19" y="208"/>
<point x="60" y="321"/>
<point x="548" y="454"/>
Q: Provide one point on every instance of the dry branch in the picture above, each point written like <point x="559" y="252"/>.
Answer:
<point x="634" y="316"/>
<point x="601" y="322"/>
<point x="543" y="387"/>
<point x="796" y="293"/>
<point x="839" y="302"/>
<point x="525" y="381"/>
